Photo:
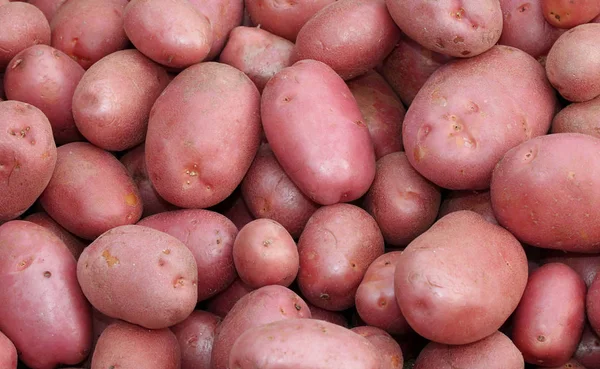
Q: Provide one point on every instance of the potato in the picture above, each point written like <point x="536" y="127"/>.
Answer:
<point x="351" y="36"/>
<point x="336" y="248"/>
<point x="265" y="254"/>
<point x="548" y="322"/>
<point x="210" y="237"/>
<point x="238" y="212"/>
<point x="334" y="317"/>
<point x="99" y="323"/>
<point x="173" y="32"/>
<point x="270" y="193"/>
<point x="470" y="112"/>
<point x="112" y="102"/>
<point x="588" y="350"/>
<point x="403" y="203"/>
<point x="224" y="301"/>
<point x="8" y="353"/>
<point x="493" y="352"/>
<point x="74" y="244"/>
<point x="463" y="266"/>
<point x="568" y="13"/>
<point x="593" y="304"/>
<point x="587" y="266"/>
<point x="572" y="62"/>
<point x="139" y="275"/>
<point x="464" y="29"/>
<point x="326" y="150"/>
<point x="561" y="215"/>
<point x="127" y="346"/>
<point x="262" y="306"/>
<point x="477" y="201"/>
<point x="571" y="364"/>
<point x="303" y="343"/>
<point x="375" y="297"/>
<point x="258" y="53"/>
<point x="196" y="335"/>
<point x="581" y="117"/>
<point x="382" y="111"/>
<point x="23" y="25"/>
<point x="27" y="157"/>
<point x="34" y="260"/>
<point x="186" y="149"/>
<point x="88" y="30"/>
<point x="389" y="350"/>
<point x="48" y="7"/>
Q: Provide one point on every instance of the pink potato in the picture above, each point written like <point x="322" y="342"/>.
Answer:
<point x="325" y="150"/>
<point x="50" y="324"/>
<point x="334" y="317"/>
<point x="8" y="353"/>
<point x="27" y="157"/>
<point x="224" y="301"/>
<point x="462" y="267"/>
<point x="238" y="211"/>
<point x="258" y="53"/>
<point x="588" y="350"/>
<point x="471" y="112"/>
<point x="112" y="102"/>
<point x="571" y="364"/>
<point x="170" y="32"/>
<point x="570" y="13"/>
<point x="477" y="201"/>
<point x="46" y="78"/>
<point x="586" y="265"/>
<point x="562" y="215"/>
<point x="389" y="350"/>
<point x="186" y="154"/>
<point x="48" y="7"/>
<point x="88" y="30"/>
<point x="196" y="335"/>
<point x="74" y="244"/>
<point x="581" y="117"/>
<point x="593" y="305"/>
<point x="382" y="111"/>
<point x="210" y="237"/>
<point x="351" y="36"/>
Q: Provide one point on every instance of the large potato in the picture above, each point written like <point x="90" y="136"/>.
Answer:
<point x="570" y="13"/>
<point x="207" y="119"/>
<point x="139" y="275"/>
<point x="196" y="335"/>
<point x="547" y="193"/>
<point x="43" y="311"/>
<point x="389" y="350"/>
<point x="581" y="117"/>
<point x="477" y="201"/>
<point x="8" y="353"/>
<point x="74" y="244"/>
<point x="462" y="267"/>
<point x="325" y="150"/>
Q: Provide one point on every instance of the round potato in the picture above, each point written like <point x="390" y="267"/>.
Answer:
<point x="569" y="13"/>
<point x="48" y="7"/>
<point x="581" y="117"/>
<point x="74" y="244"/>
<point x="8" y="353"/>
<point x="224" y="301"/>
<point x="196" y="335"/>
<point x="477" y="201"/>
<point x="588" y="351"/>
<point x="389" y="350"/>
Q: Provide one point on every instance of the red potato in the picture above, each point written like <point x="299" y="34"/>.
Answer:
<point x="88" y="30"/>
<point x="224" y="301"/>
<point x="99" y="323"/>
<point x="112" y="102"/>
<point x="548" y="323"/>
<point x="27" y="157"/>
<point x="210" y="237"/>
<point x="48" y="7"/>
<point x="8" y="353"/>
<point x="74" y="244"/>
<point x="328" y="316"/>
<point x="185" y="154"/>
<point x="477" y="201"/>
<point x="593" y="305"/>
<point x="196" y="335"/>
<point x="258" y="53"/>
<point x="326" y="150"/>
<point x="586" y="265"/>
<point x="351" y="36"/>
<point x="571" y="364"/>
<point x="389" y="350"/>
<point x="23" y="26"/>
<point x="570" y="13"/>
<point x="382" y="111"/>
<point x="581" y="117"/>
<point x="238" y="212"/>
<point x="588" y="350"/>
<point x="51" y="324"/>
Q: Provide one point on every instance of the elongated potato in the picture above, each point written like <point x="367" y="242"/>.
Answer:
<point x="74" y="244"/>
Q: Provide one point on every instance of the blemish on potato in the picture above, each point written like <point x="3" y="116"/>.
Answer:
<point x="524" y="7"/>
<point x="161" y="262"/>
<point x="541" y="338"/>
<point x="179" y="282"/>
<point x="311" y="255"/>
<point x="571" y="175"/>
<point x="324" y="296"/>
<point x="298" y="307"/>
<point x="166" y="251"/>
<point x="24" y="264"/>
<point x="465" y="52"/>
<point x="459" y="13"/>
<point x="17" y="63"/>
<point x="419" y="153"/>
<point x="267" y="243"/>
<point x="282" y="311"/>
<point x="382" y="302"/>
<point x="458" y="40"/>
<point x="131" y="199"/>
<point x="360" y="123"/>
<point x="110" y="260"/>
<point x="47" y="274"/>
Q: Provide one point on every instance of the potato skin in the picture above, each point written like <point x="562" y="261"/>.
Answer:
<point x="389" y="350"/>
<point x="8" y="353"/>
<point x="74" y="244"/>
<point x="560" y="217"/>
<point x="48" y="7"/>
<point x="477" y="201"/>
<point x="336" y="166"/>
<point x="185" y="155"/>
<point x="334" y="317"/>
<point x="438" y="295"/>
<point x="586" y="265"/>
<point x="139" y="275"/>
<point x="224" y="301"/>
<point x="588" y="350"/>
<point x="581" y="117"/>
<point x="32" y="259"/>
<point x="196" y="335"/>
<point x="46" y="78"/>
<point x="210" y="237"/>
<point x="571" y="364"/>
<point x="593" y="305"/>
<point x="238" y="212"/>
<point x="568" y="13"/>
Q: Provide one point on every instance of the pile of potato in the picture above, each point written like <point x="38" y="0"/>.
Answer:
<point x="299" y="184"/>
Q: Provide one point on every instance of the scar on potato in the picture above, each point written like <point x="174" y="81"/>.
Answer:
<point x="110" y="260"/>
<point x="179" y="282"/>
<point x="47" y="274"/>
<point x="131" y="199"/>
<point x="324" y="296"/>
<point x="298" y="307"/>
<point x="24" y="264"/>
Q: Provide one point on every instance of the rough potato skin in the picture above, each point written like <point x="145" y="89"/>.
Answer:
<point x="570" y="13"/>
<point x="196" y="335"/>
<point x="593" y="305"/>
<point x="588" y="351"/>
<point x="27" y="157"/>
<point x="438" y="295"/>
<point x="581" y="117"/>
<point x="186" y="149"/>
<point x="48" y="7"/>
<point x="139" y="275"/>
<point x="477" y="201"/>
<point x="74" y="244"/>
<point x="389" y="350"/>
<point x="8" y="353"/>
<point x="224" y="301"/>
<point x="561" y="216"/>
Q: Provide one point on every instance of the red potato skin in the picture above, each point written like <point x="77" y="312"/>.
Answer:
<point x="351" y="36"/>
<point x="588" y="351"/>
<point x="328" y="316"/>
<point x="569" y="13"/>
<point x="196" y="335"/>
<point x="581" y="117"/>
<point x="210" y="237"/>
<point x="389" y="350"/>
<point x="571" y="364"/>
<point x="8" y="353"/>
<point x="477" y="201"/>
<point x="238" y="212"/>
<point x="88" y="30"/>
<point x="74" y="244"/>
<point x="548" y="323"/>
<point x="190" y="175"/>
<point x="338" y="166"/>
<point x="48" y="7"/>
<point x="586" y="265"/>
<point x="593" y="305"/>
<point x="382" y="111"/>
<point x="51" y="324"/>
<point x="224" y="301"/>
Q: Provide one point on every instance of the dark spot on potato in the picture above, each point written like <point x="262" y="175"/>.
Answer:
<point x="111" y="367"/>
<point x="179" y="282"/>
<point x="387" y="263"/>
<point x="298" y="307"/>
<point x="419" y="153"/>
<point x="208" y="187"/>
<point x="360" y="123"/>
<point x="323" y="329"/>
<point x="24" y="264"/>
<point x="282" y="311"/>
<point x="161" y="262"/>
<point x="474" y="26"/>
<point x="86" y="265"/>
<point x="267" y="243"/>
<point x="287" y="99"/>
<point x="524" y="7"/>
<point x="457" y="127"/>
<point x="324" y="296"/>
<point x="459" y="13"/>
<point x="110" y="260"/>
<point x="440" y="43"/>
<point x="556" y="16"/>
<point x="458" y="40"/>
<point x="47" y="274"/>
<point x="166" y="251"/>
<point x="219" y="241"/>
<point x="541" y="338"/>
<point x="382" y="302"/>
<point x="17" y="63"/>
<point x="56" y="53"/>
<point x="353" y="265"/>
<point x="465" y="52"/>
<point x="529" y="156"/>
<point x="192" y="341"/>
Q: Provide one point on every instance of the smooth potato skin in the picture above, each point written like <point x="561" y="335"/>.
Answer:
<point x="569" y="13"/>
<point x="46" y="78"/>
<point x="139" y="275"/>
<point x="586" y="265"/>
<point x="185" y="146"/>
<point x="51" y="324"/>
<point x="438" y="295"/>
<point x="196" y="335"/>
<point x="8" y="353"/>
<point x="477" y="201"/>
<point x="588" y="350"/>
<point x="74" y="244"/>
<point x="389" y="350"/>
<point x="48" y="7"/>
<point x="334" y="317"/>
<point x="326" y="150"/>
<point x="224" y="301"/>
<point x="581" y="117"/>
<point x="593" y="305"/>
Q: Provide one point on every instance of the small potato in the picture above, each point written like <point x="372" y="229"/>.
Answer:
<point x="581" y="117"/>
<point x="196" y="335"/>
<point x="112" y="102"/>
<point x="548" y="322"/>
<point x="238" y="212"/>
<point x="127" y="346"/>
<point x="389" y="350"/>
<point x="27" y="157"/>
<point x="569" y="13"/>
<point x="588" y="351"/>
<point x="334" y="317"/>
<point x="586" y="265"/>
<point x="344" y="236"/>
<point x="477" y="201"/>
<point x="210" y="237"/>
<point x="224" y="301"/>
<point x="90" y="191"/>
<point x="88" y="30"/>
<point x="8" y="353"/>
<point x="351" y="36"/>
<point x="74" y="244"/>
<point x="48" y="7"/>
<point x="593" y="305"/>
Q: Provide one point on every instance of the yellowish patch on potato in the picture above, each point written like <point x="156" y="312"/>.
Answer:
<point x="571" y="175"/>
<point x="395" y="361"/>
<point x="45" y="155"/>
<point x="419" y="153"/>
<point x="131" y="199"/>
<point x="110" y="260"/>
